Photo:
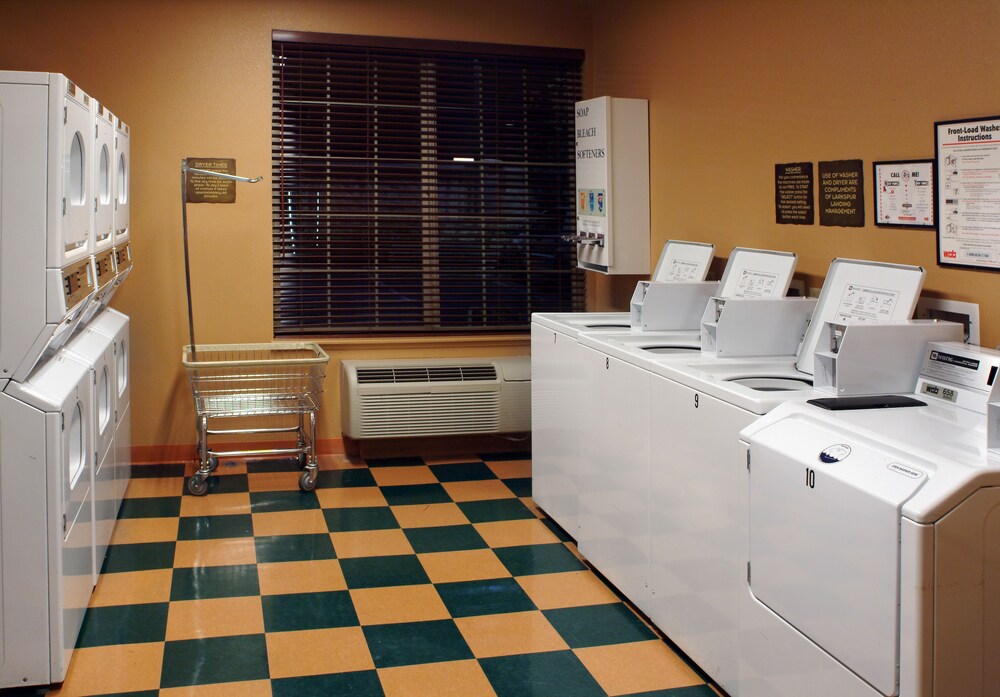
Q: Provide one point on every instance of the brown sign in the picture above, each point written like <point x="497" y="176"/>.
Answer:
<point x="204" y="188"/>
<point x="793" y="193"/>
<point x="841" y="193"/>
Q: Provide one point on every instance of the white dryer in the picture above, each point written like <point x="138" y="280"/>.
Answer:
<point x="122" y="182"/>
<point x="872" y="537"/>
<point x="97" y="350"/>
<point x="46" y="532"/>
<point x="115" y="325"/>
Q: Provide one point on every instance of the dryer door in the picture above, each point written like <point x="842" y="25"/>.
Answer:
<point x="76" y="206"/>
<point x="824" y="541"/>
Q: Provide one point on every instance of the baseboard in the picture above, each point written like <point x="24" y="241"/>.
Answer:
<point x="149" y="454"/>
<point x="436" y="446"/>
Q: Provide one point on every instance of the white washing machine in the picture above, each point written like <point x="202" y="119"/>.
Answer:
<point x="97" y="350"/>
<point x="47" y="275"/>
<point x="46" y="533"/>
<point x="697" y="409"/>
<point x="122" y="182"/>
<point x="115" y="325"/>
<point x="872" y="541"/>
<point x="613" y="472"/>
<point x="556" y="382"/>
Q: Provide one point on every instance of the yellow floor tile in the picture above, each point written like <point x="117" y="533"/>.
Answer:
<point x="132" y="588"/>
<point x="429" y="515"/>
<point x="398" y="604"/>
<point x="154" y="486"/>
<point x="230" y="551"/>
<point x="301" y="577"/>
<point x="289" y="523"/>
<point x="274" y="481"/>
<point x="215" y="504"/>
<point x="511" y="469"/>
<point x="136" y="667"/>
<point x="509" y="634"/>
<point x="249" y="688"/>
<point x="370" y="543"/>
<point x="317" y="652"/>
<point x="402" y="476"/>
<point x="510" y="533"/>
<point x="213" y="617"/>
<point x="467" y="565"/>
<point x="643" y="666"/>
<point x="460" y="460"/>
<point x="137" y="530"/>
<point x="570" y="589"/>
<point x="448" y="679"/>
<point x="532" y="506"/>
<point x="351" y="497"/>
<point x="481" y="490"/>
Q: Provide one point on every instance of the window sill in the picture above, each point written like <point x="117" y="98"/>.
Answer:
<point x="417" y="342"/>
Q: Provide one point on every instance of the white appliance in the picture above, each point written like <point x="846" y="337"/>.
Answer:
<point x="115" y="325"/>
<point x="699" y="406"/>
<point x="612" y="474"/>
<point x="96" y="350"/>
<point x="46" y="534"/>
<point x="47" y="275"/>
<point x="122" y="182"/>
<point x="872" y="542"/>
<point x="103" y="162"/>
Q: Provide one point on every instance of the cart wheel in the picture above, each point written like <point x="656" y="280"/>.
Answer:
<point x="303" y="460"/>
<point x="306" y="482"/>
<point x="213" y="462"/>
<point x="197" y="485"/>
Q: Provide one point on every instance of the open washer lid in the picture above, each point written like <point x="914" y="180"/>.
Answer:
<point x="683" y="261"/>
<point x="757" y="273"/>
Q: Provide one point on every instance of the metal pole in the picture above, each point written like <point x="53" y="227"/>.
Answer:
<point x="187" y="262"/>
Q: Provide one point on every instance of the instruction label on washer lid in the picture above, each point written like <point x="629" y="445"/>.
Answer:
<point x="681" y="270"/>
<point x="756" y="284"/>
<point x="867" y="304"/>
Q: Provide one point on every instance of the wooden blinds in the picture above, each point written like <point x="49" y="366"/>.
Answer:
<point x="421" y="187"/>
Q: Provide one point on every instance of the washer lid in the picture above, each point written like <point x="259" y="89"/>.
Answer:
<point x="757" y="273"/>
<point x="683" y="261"/>
<point x="824" y="540"/>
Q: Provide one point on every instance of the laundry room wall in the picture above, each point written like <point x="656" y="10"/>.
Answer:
<point x="736" y="86"/>
<point x="193" y="79"/>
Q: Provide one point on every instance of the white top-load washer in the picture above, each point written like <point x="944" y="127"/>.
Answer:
<point x="612" y="475"/>
<point x="698" y="406"/>
<point x="872" y="540"/>
<point x="46" y="531"/>
<point x="47" y="275"/>
<point x="556" y="381"/>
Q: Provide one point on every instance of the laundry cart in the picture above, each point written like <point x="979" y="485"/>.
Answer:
<point x="239" y="381"/>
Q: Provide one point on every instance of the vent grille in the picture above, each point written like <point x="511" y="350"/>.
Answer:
<point x="433" y="373"/>
<point x="429" y="414"/>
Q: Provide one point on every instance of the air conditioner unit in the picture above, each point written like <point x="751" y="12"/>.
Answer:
<point x="435" y="397"/>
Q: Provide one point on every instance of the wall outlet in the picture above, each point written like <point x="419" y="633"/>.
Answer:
<point x="966" y="314"/>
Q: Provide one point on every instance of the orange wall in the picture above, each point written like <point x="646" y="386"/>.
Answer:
<point x="736" y="86"/>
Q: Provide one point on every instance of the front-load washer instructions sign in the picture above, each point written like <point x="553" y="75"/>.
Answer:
<point x="841" y="193"/>
<point x="867" y="303"/>
<point x="757" y="284"/>
<point x="968" y="192"/>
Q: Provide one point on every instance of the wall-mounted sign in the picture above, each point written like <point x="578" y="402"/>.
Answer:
<point x="793" y="193"/>
<point x="841" y="193"/>
<point x="202" y="188"/>
<point x="968" y="192"/>
<point x="904" y="193"/>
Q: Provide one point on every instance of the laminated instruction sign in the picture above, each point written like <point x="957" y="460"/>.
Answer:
<point x="793" y="193"/>
<point x="202" y="188"/>
<point x="968" y="192"/>
<point x="841" y="193"/>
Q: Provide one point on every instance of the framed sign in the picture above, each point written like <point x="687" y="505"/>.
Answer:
<point x="841" y="193"/>
<point x="967" y="193"/>
<point x="904" y="193"/>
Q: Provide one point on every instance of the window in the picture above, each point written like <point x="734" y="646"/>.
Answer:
<point x="421" y="187"/>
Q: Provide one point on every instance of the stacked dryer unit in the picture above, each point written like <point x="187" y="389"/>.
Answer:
<point x="58" y="463"/>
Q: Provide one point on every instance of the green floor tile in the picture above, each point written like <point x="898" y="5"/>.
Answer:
<point x="158" y="471"/>
<point x="556" y="530"/>
<point x="490" y="597"/>
<point x="215" y="527"/>
<point x="271" y="501"/>
<point x="225" y="484"/>
<point x="285" y="464"/>
<point x="153" y="507"/>
<point x="552" y="674"/>
<point x="293" y="548"/>
<point x="505" y="457"/>
<point x="355" y="519"/>
<point x="410" y="643"/>
<point x="204" y="582"/>
<point x="216" y="660"/>
<point x="462" y="472"/>
<point x="691" y="691"/>
<point x="521" y="486"/>
<point x="123" y="624"/>
<point x="141" y="693"/>
<point x="143" y="556"/>
<point x="343" y="479"/>
<point x="362" y="683"/>
<point x="297" y="611"/>
<point x="394" y="461"/>
<point x="375" y="572"/>
<point x="445" y="538"/>
<point x="598" y="625"/>
<point x="495" y="509"/>
<point x="528" y="560"/>
<point x="413" y="494"/>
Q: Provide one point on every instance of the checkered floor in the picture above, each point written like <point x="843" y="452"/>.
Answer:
<point x="395" y="577"/>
